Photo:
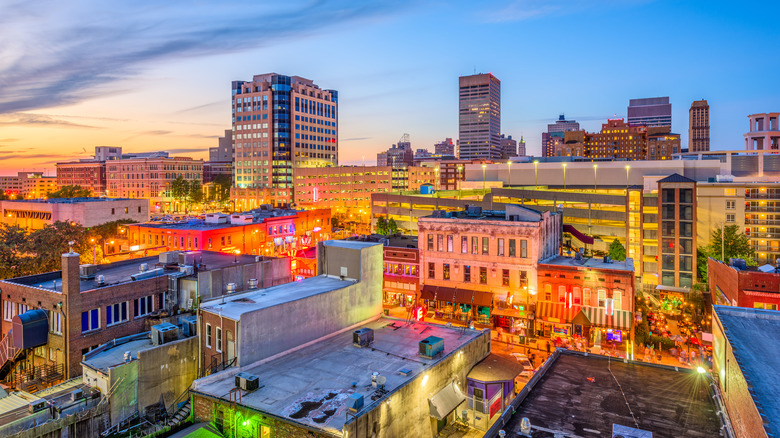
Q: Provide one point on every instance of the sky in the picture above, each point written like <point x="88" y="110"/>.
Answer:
<point x="149" y="75"/>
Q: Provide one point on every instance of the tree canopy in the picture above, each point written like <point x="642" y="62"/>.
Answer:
<point x="616" y="251"/>
<point x="71" y="192"/>
<point x="724" y="246"/>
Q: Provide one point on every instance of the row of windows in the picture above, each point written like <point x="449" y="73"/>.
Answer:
<point x="10" y="309"/>
<point x="478" y="274"/>
<point x="475" y="245"/>
<point x="116" y="313"/>
<point x="582" y="296"/>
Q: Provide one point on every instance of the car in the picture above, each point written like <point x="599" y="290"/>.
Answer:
<point x="528" y="368"/>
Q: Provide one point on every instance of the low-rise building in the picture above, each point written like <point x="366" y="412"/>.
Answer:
<point x="88" y="174"/>
<point x="28" y="185"/>
<point x="737" y="284"/>
<point x="35" y="214"/>
<point x="150" y="178"/>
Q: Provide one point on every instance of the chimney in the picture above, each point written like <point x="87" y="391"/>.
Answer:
<point x="71" y="280"/>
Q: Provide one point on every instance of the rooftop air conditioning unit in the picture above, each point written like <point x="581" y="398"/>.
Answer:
<point x="431" y="346"/>
<point x="187" y="269"/>
<point x="188" y="258"/>
<point x="37" y="406"/>
<point x="231" y="288"/>
<point x="190" y="326"/>
<point x="169" y="257"/>
<point x="247" y="382"/>
<point x="355" y="402"/>
<point x="252" y="283"/>
<point x="76" y="395"/>
<point x="164" y="333"/>
<point x="363" y="337"/>
<point x="87" y="272"/>
<point x="143" y="267"/>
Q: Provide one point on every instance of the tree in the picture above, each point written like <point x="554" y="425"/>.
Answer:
<point x="616" y="251"/>
<point x="381" y="226"/>
<point x="222" y="185"/>
<point x="71" y="192"/>
<point x="736" y="245"/>
<point x="702" y="254"/>
<point x="47" y="244"/>
<point x="180" y="188"/>
<point x="392" y="227"/>
<point x="195" y="192"/>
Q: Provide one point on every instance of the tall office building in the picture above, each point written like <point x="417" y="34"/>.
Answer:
<point x="508" y="146"/>
<point x="699" y="126"/>
<point x="479" y="117"/>
<point x="653" y="111"/>
<point x="555" y="133"/>
<point x="281" y="122"/>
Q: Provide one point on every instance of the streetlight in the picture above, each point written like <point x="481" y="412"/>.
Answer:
<point x="595" y="180"/>
<point x="536" y="179"/>
<point x="484" y="186"/>
<point x="564" y="175"/>
<point x="628" y="168"/>
<point x="509" y="170"/>
<point x="458" y="181"/>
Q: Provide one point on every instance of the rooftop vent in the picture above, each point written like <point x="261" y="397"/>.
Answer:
<point x="247" y="382"/>
<point x="355" y="402"/>
<point x="100" y="280"/>
<point x="431" y="346"/>
<point x="231" y="288"/>
<point x="128" y="356"/>
<point x="76" y="395"/>
<point x="252" y="283"/>
<point x="143" y="267"/>
<point x="37" y="406"/>
<point x="148" y="274"/>
<point x="363" y="337"/>
<point x="164" y="333"/>
<point x="87" y="272"/>
<point x="607" y="259"/>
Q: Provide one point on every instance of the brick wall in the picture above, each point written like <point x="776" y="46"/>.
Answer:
<point x="740" y="405"/>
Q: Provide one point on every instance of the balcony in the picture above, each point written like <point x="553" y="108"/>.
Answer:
<point x="762" y="221"/>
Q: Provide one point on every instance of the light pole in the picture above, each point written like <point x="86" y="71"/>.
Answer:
<point x="458" y="182"/>
<point x="564" y="175"/>
<point x="484" y="184"/>
<point x="536" y="174"/>
<point x="437" y="184"/>
<point x="595" y="179"/>
<point x="509" y="170"/>
<point x="628" y="168"/>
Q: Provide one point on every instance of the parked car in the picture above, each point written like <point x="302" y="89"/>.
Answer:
<point x="528" y="369"/>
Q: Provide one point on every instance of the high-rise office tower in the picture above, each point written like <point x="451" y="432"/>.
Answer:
<point x="699" y="126"/>
<point x="479" y="117"/>
<point x="653" y="111"/>
<point x="281" y="122"/>
<point x="555" y="133"/>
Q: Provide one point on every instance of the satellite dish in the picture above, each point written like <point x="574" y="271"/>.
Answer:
<point x="381" y="380"/>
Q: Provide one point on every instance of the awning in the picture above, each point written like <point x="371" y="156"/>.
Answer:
<point x="679" y="290"/>
<point x="514" y="313"/>
<point x="456" y="295"/>
<point x="621" y="319"/>
<point x="555" y="312"/>
<point x="445" y="401"/>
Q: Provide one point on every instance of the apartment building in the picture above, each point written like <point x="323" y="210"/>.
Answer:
<point x="88" y="174"/>
<point x="150" y="178"/>
<point x="28" y="185"/>
<point x="764" y="132"/>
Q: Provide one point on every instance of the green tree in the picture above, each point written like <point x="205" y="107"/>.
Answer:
<point x="180" y="189"/>
<point x="47" y="244"/>
<point x="702" y="254"/>
<point x="392" y="227"/>
<point x="195" y="192"/>
<point x="381" y="226"/>
<point x="71" y="192"/>
<point x="731" y="244"/>
<point x="616" y="251"/>
<point x="222" y="185"/>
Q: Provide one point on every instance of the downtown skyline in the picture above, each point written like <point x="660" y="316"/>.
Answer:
<point x="152" y="77"/>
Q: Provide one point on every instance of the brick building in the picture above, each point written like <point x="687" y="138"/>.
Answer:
<point x="619" y="140"/>
<point x="737" y="284"/>
<point x="36" y="213"/>
<point x="150" y="178"/>
<point x="28" y="185"/>
<point x="88" y="174"/>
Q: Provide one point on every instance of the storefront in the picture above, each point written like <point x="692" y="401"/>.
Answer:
<point x="553" y="320"/>
<point x="671" y="298"/>
<point x="514" y="321"/>
<point x="460" y="305"/>
<point x="601" y="329"/>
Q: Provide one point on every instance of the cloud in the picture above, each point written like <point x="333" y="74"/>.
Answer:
<point x="355" y="139"/>
<point x="8" y="140"/>
<point x="521" y="10"/>
<point x="31" y="156"/>
<point x="186" y="150"/>
<point x="56" y="53"/>
<point x="33" y="120"/>
<point x="224" y="103"/>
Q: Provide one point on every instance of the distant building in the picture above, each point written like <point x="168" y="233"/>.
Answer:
<point x="444" y="147"/>
<point x="479" y="117"/>
<point x="28" y="185"/>
<point x="699" y="126"/>
<point x="88" y="174"/>
<point x="556" y="131"/>
<point x="35" y="214"/>
<point x="736" y="284"/>
<point x="745" y="361"/>
<point x="106" y="153"/>
<point x="422" y="154"/>
<point x="280" y="123"/>
<point x="398" y="156"/>
<point x="213" y="169"/>
<point x="521" y="150"/>
<point x="224" y="149"/>
<point x="661" y="144"/>
<point x="150" y="178"/>
<point x="618" y="140"/>
<point x="653" y="111"/>
<point x="764" y="133"/>
<point x="508" y="146"/>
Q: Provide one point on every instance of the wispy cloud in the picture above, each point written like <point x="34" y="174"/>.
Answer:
<point x="520" y="10"/>
<point x="33" y="156"/>
<point x="33" y="120"/>
<point x="224" y="103"/>
<point x="8" y="140"/>
<point x="57" y="53"/>
<point x="355" y="139"/>
<point x="186" y="150"/>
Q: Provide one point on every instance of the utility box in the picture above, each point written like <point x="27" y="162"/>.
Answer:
<point x="164" y="333"/>
<point x="363" y="337"/>
<point x="431" y="346"/>
<point x="355" y="402"/>
<point x="247" y="382"/>
<point x="31" y="329"/>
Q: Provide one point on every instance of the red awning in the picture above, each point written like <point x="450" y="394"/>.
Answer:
<point x="456" y="295"/>
<point x="556" y="312"/>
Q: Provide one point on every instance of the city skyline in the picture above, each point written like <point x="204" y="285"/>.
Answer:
<point x="154" y="78"/>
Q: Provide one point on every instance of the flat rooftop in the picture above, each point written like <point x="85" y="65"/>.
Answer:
<point x="669" y="403"/>
<point x="67" y="200"/>
<point x="234" y="305"/>
<point x="590" y="263"/>
<point x="120" y="272"/>
<point x="110" y="355"/>
<point x="753" y="334"/>
<point x="310" y="386"/>
<point x="258" y="217"/>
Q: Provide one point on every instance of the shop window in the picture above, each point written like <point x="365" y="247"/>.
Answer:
<point x="505" y="277"/>
<point x="467" y="274"/>
<point x="431" y="270"/>
<point x="483" y="275"/>
<point x="446" y="271"/>
<point x="501" y="247"/>
<point x="485" y="245"/>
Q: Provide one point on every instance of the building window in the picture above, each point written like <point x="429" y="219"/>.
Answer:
<point x="143" y="306"/>
<point x="577" y="295"/>
<point x="730" y="217"/>
<point x="586" y="296"/>
<point x="730" y="192"/>
<point x="208" y="335"/>
<point x="431" y="270"/>
<point x="116" y="313"/>
<point x="483" y="275"/>
<point x="485" y="243"/>
<point x="55" y="323"/>
<point x="562" y="294"/>
<point x="446" y="271"/>
<point x="505" y="277"/>
<point x="602" y="298"/>
<point x="617" y="299"/>
<point x="430" y="242"/>
<point x="219" y="339"/>
<point x="731" y="205"/>
<point x="8" y="310"/>
<point x="90" y="320"/>
<point x="464" y="245"/>
<point x="449" y="243"/>
<point x="210" y="244"/>
<point x="767" y="306"/>
<point x="467" y="274"/>
<point x="439" y="243"/>
<point x="475" y="245"/>
<point x="512" y="248"/>
<point x="501" y="247"/>
<point x="548" y="292"/>
<point x="523" y="248"/>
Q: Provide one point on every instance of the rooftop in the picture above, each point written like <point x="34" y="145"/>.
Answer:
<point x="495" y="368"/>
<point x="580" y="396"/>
<point x="590" y="263"/>
<point x="311" y="385"/>
<point x="113" y="353"/>
<point x="120" y="272"/>
<point x="676" y="178"/>
<point x="68" y="200"/>
<point x="258" y="216"/>
<point x="752" y="334"/>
